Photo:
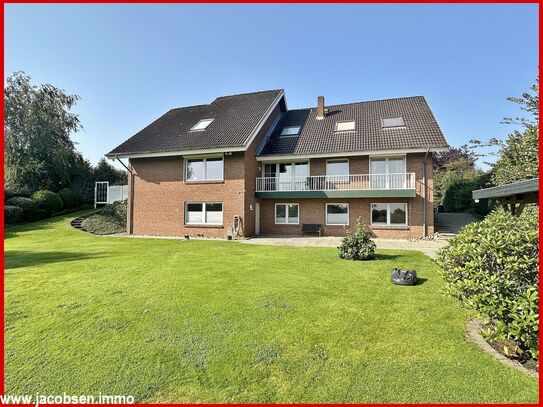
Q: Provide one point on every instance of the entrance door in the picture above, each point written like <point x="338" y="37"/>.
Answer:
<point x="257" y="219"/>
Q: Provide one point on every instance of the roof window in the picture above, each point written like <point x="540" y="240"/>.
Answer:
<point x="201" y="125"/>
<point x="290" y="131"/>
<point x="345" y="126"/>
<point x="392" y="122"/>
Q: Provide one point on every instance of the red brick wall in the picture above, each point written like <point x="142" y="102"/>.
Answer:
<point x="160" y="193"/>
<point x="313" y="210"/>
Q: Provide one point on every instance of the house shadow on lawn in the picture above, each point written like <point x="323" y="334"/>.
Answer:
<point x="383" y="256"/>
<point x="22" y="258"/>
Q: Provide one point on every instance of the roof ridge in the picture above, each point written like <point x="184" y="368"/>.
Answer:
<point x="249" y="93"/>
<point x="362" y="101"/>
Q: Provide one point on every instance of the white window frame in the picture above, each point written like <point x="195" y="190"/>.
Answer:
<point x="286" y="213"/>
<point x="203" y="213"/>
<point x="287" y="134"/>
<point x="388" y="157"/>
<point x="204" y="158"/>
<point x="346" y="121"/>
<point x="336" y="224"/>
<point x="388" y="224"/>
<point x="195" y="127"/>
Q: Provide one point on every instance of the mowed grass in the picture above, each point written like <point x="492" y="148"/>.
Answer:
<point x="217" y="321"/>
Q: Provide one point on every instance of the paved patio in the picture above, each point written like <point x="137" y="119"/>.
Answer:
<point x="428" y="247"/>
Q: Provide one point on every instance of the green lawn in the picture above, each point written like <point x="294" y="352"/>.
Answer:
<point x="217" y="321"/>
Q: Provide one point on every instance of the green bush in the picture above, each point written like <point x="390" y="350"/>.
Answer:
<point x="116" y="209"/>
<point x="22" y="202"/>
<point x="492" y="268"/>
<point x="458" y="196"/>
<point x="35" y="214"/>
<point x="13" y="214"/>
<point x="100" y="224"/>
<point x="31" y="212"/>
<point x="357" y="245"/>
<point x="48" y="200"/>
<point x="69" y="198"/>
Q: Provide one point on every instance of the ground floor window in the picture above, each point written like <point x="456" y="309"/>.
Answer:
<point x="203" y="213"/>
<point x="287" y="214"/>
<point x="337" y="214"/>
<point x="389" y="214"/>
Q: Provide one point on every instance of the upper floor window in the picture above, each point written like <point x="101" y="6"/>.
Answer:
<point x="392" y="122"/>
<point x="346" y="125"/>
<point x="290" y="131"/>
<point x="337" y="167"/>
<point x="205" y="169"/>
<point x="201" y="125"/>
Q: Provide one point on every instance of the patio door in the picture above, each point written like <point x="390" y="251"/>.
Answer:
<point x="387" y="173"/>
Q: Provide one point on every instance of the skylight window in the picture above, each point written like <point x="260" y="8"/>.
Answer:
<point x="392" y="122"/>
<point x="345" y="126"/>
<point x="290" y="131"/>
<point x="201" y="125"/>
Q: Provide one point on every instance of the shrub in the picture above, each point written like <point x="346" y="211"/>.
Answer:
<point x="103" y="225"/>
<point x="116" y="209"/>
<point x="35" y="214"/>
<point x="12" y="214"/>
<point x="22" y="202"/>
<point x="69" y="198"/>
<point x="458" y="196"/>
<point x="48" y="200"/>
<point x="357" y="245"/>
<point x="31" y="212"/>
<point x="492" y="268"/>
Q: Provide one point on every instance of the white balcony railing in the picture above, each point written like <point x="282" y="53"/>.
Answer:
<point x="354" y="182"/>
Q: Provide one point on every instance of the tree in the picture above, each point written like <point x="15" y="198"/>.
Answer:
<point x="104" y="171"/>
<point x="454" y="173"/>
<point x="519" y="154"/>
<point x="37" y="127"/>
<point x="518" y="157"/>
<point x="454" y="154"/>
<point x="529" y="102"/>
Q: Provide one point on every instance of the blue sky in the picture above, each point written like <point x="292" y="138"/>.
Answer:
<point x="132" y="63"/>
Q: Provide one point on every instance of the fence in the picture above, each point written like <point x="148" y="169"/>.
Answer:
<point x="107" y="194"/>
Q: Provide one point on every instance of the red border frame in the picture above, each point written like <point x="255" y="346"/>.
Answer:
<point x="238" y="2"/>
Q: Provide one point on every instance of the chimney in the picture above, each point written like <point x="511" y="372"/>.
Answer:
<point x="320" y="108"/>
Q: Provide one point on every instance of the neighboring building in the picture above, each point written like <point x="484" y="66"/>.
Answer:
<point x="248" y="160"/>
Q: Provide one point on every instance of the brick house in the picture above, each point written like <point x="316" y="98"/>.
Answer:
<point x="247" y="164"/>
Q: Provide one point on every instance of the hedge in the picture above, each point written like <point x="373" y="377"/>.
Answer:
<point x="22" y="202"/>
<point x="13" y="214"/>
<point x="492" y="268"/>
<point x="48" y="200"/>
<point x="69" y="198"/>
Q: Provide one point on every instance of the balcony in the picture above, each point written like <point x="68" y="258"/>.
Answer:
<point x="337" y="186"/>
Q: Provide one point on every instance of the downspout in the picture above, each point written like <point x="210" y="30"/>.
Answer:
<point x="130" y="220"/>
<point x="424" y="196"/>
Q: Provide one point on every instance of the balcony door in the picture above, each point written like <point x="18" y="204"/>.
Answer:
<point x="286" y="176"/>
<point x="387" y="173"/>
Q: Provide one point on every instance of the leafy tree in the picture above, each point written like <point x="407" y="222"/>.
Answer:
<point x="519" y="158"/>
<point x="529" y="102"/>
<point x="104" y="171"/>
<point x="455" y="172"/>
<point x="37" y="128"/>
<point x="454" y="154"/>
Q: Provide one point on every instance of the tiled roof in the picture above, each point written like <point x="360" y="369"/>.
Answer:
<point x="235" y="117"/>
<point x="319" y="136"/>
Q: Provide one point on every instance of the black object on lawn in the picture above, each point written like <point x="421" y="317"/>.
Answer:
<point x="403" y="277"/>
